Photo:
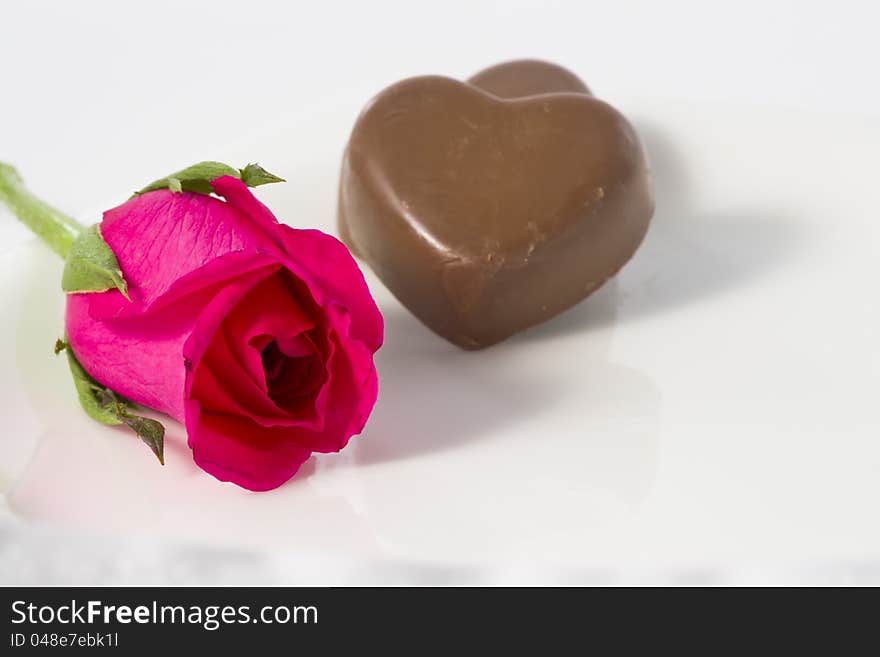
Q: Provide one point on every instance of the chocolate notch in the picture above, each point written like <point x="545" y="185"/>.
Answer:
<point x="527" y="77"/>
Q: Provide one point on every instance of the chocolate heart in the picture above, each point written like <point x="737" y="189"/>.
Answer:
<point x="486" y="213"/>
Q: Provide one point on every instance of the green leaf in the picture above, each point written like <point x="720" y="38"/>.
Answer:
<point x="198" y="177"/>
<point x="253" y="175"/>
<point x="105" y="406"/>
<point x="91" y="265"/>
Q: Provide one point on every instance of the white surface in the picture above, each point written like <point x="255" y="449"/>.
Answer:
<point x="709" y="416"/>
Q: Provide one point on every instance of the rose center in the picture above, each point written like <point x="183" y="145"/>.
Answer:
<point x="291" y="373"/>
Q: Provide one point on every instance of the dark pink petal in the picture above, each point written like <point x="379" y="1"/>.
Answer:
<point x="350" y="393"/>
<point x="235" y="449"/>
<point x="269" y="309"/>
<point x="222" y="386"/>
<point x="326" y="263"/>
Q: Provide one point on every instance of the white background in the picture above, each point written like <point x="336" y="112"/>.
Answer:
<point x="96" y="94"/>
<point x="753" y="368"/>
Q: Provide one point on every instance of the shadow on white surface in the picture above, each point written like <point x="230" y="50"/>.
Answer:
<point x="689" y="255"/>
<point x="436" y="397"/>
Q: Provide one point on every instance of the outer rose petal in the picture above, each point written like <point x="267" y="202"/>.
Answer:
<point x="234" y="449"/>
<point x="328" y="264"/>
<point x="160" y="237"/>
<point x="238" y="196"/>
<point x="352" y="393"/>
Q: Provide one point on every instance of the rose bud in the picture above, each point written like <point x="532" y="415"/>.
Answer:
<point x="192" y="299"/>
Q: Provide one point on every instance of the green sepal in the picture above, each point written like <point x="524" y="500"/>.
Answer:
<point x="91" y="265"/>
<point x="105" y="406"/>
<point x="90" y="393"/>
<point x="198" y="177"/>
<point x="253" y="175"/>
<point x="150" y="431"/>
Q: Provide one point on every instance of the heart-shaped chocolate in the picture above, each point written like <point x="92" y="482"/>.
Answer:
<point x="489" y="206"/>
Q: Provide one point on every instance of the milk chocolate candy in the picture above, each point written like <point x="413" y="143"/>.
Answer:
<point x="491" y="205"/>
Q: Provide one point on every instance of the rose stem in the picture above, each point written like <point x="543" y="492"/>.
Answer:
<point x="52" y="226"/>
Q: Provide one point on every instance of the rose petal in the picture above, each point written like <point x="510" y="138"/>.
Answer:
<point x="237" y="450"/>
<point x="319" y="258"/>
<point x="160" y="237"/>
<point x="326" y="263"/>
<point x="350" y="393"/>
<point x="141" y="357"/>
<point x="269" y="309"/>
<point x="239" y="196"/>
<point x="222" y="387"/>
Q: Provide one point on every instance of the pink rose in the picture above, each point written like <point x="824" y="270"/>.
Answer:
<point x="259" y="337"/>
